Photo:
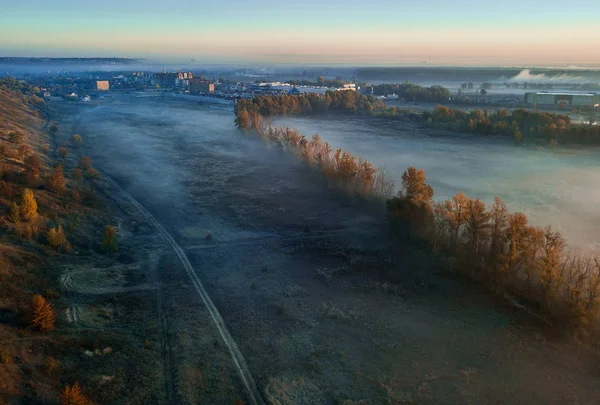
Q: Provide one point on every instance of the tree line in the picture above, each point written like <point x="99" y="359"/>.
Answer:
<point x="350" y="173"/>
<point x="503" y="252"/>
<point x="500" y="250"/>
<point x="321" y="81"/>
<point x="343" y="102"/>
<point x="526" y="127"/>
<point x="413" y="92"/>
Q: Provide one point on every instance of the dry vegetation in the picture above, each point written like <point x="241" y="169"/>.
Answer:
<point x="37" y="204"/>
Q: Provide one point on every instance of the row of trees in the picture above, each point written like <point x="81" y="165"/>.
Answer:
<point x="497" y="248"/>
<point x="341" y="102"/>
<point x="503" y="251"/>
<point x="525" y="126"/>
<point x="354" y="175"/>
<point x="413" y="92"/>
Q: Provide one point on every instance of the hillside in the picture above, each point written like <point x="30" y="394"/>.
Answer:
<point x="49" y="221"/>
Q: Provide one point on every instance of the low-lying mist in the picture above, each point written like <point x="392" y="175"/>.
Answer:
<point x="559" y="188"/>
<point x="142" y="139"/>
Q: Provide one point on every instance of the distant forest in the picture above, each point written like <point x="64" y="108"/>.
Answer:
<point x="29" y="61"/>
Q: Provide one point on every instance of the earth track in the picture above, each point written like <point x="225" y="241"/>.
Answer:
<point x="240" y="363"/>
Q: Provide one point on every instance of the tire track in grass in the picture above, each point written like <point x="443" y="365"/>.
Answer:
<point x="238" y="359"/>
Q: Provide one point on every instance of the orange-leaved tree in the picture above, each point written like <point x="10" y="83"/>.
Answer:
<point x="43" y="315"/>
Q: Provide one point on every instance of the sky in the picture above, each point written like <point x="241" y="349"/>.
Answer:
<point x="460" y="32"/>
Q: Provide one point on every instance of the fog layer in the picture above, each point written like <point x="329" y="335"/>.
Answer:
<point x="558" y="188"/>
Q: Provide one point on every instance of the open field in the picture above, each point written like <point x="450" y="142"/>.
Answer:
<point x="310" y="291"/>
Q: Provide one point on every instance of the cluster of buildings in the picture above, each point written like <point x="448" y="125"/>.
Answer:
<point x="172" y="79"/>
<point x="591" y="100"/>
<point x="182" y="82"/>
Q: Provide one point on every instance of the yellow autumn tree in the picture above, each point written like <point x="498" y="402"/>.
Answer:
<point x="28" y="206"/>
<point x="43" y="315"/>
<point x="73" y="395"/>
<point x="414" y="186"/>
<point x="242" y="121"/>
<point x="476" y="230"/>
<point x="456" y="215"/>
<point x="57" y="239"/>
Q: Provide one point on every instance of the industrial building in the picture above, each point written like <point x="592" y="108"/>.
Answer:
<point x="349" y="86"/>
<point x="102" y="85"/>
<point x="201" y="86"/>
<point x="563" y="99"/>
<point x="174" y="79"/>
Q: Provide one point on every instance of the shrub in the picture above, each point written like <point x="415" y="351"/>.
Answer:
<point x="76" y="174"/>
<point x="109" y="239"/>
<point x="28" y="206"/>
<point x="57" y="239"/>
<point x="14" y="213"/>
<point x="23" y="152"/>
<point x="75" y="196"/>
<point x="51" y="365"/>
<point x="5" y="357"/>
<point x="6" y="189"/>
<point x="43" y="315"/>
<point x="56" y="181"/>
<point x="62" y="152"/>
<point x="15" y="137"/>
<point x="54" y="129"/>
<point x="85" y="163"/>
<point x="73" y="395"/>
<point x="76" y="140"/>
<point x="33" y="164"/>
<point x="27" y="231"/>
<point x="92" y="174"/>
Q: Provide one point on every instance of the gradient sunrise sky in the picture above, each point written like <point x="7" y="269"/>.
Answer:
<point x="513" y="32"/>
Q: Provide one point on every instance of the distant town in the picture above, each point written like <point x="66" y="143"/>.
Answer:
<point x="87" y="87"/>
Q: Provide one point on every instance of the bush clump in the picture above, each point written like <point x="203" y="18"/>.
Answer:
<point x="76" y="140"/>
<point x="56" y="181"/>
<point x="43" y="315"/>
<point x="109" y="239"/>
<point x="73" y="395"/>
<point x="57" y="239"/>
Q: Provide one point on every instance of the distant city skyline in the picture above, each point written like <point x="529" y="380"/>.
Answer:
<point x="463" y="32"/>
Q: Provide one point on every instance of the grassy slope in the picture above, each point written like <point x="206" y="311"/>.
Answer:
<point x="28" y="265"/>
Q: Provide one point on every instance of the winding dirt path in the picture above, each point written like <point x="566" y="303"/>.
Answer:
<point x="238" y="359"/>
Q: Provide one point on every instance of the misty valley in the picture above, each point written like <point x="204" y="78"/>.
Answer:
<point x="315" y="239"/>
